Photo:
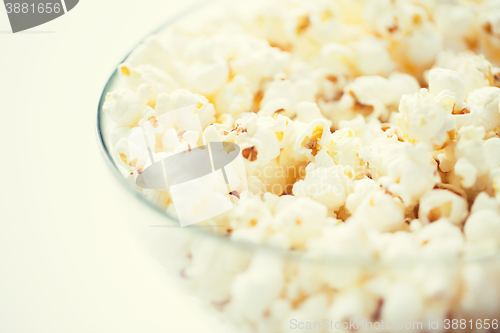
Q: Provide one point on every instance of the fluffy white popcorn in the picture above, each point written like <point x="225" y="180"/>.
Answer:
<point x="204" y="257"/>
<point x="381" y="153"/>
<point x="381" y="212"/>
<point x="254" y="290"/>
<point x="479" y="296"/>
<point x="470" y="146"/>
<point x="440" y="239"/>
<point x="309" y="111"/>
<point x="410" y="175"/>
<point x="401" y="246"/>
<point x="414" y="39"/>
<point x="466" y="171"/>
<point x="474" y="69"/>
<point x="445" y="80"/>
<point x="337" y="57"/>
<point x="362" y="189"/>
<point x="484" y="201"/>
<point x="125" y="106"/>
<point x="207" y="77"/>
<point x="424" y="118"/>
<point x="206" y="69"/>
<point x="489" y="26"/>
<point x="486" y="102"/>
<point x="309" y="141"/>
<point x="483" y="227"/>
<point x="257" y="139"/>
<point x="259" y="64"/>
<point x="437" y="204"/>
<point x="372" y="57"/>
<point x="456" y="23"/>
<point x="352" y="304"/>
<point x="158" y="80"/>
<point x="152" y="52"/>
<point x="180" y="98"/>
<point x="344" y="148"/>
<point x="373" y="96"/>
<point x="402" y="303"/>
<point x="284" y="95"/>
<point x="170" y="140"/>
<point x="328" y="185"/>
<point x="422" y="47"/>
<point x="235" y="97"/>
<point x="249" y="213"/>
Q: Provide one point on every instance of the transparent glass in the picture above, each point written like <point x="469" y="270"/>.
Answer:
<point x="262" y="289"/>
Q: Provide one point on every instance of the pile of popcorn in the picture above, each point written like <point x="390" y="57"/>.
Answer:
<point x="369" y="130"/>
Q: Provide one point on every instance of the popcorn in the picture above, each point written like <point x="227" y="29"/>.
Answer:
<point x="474" y="69"/>
<point x="486" y="103"/>
<point x="250" y="212"/>
<point x="466" y="171"/>
<point x="488" y="22"/>
<point x="125" y="106"/>
<point x="374" y="97"/>
<point x="235" y="97"/>
<point x="151" y="51"/>
<point x="301" y="219"/>
<point x="207" y="77"/>
<point x="309" y="111"/>
<point x="449" y="83"/>
<point x="440" y="239"/>
<point x="286" y="95"/>
<point x="254" y="290"/>
<point x="181" y="98"/>
<point x="381" y="212"/>
<point x="258" y="141"/>
<point x="352" y="304"/>
<point x="362" y="189"/>
<point x="483" y="226"/>
<point x="470" y="146"/>
<point x="402" y="303"/>
<point x="328" y="185"/>
<point x="424" y="118"/>
<point x="344" y="148"/>
<point x="345" y="242"/>
<point x="456" y="24"/>
<point x="479" y="291"/>
<point x="437" y="204"/>
<point x="410" y="175"/>
<point x="368" y="49"/>
<point x="484" y="201"/>
<point x="337" y="57"/>
<point x="309" y="141"/>
<point x="158" y="80"/>
<point x="414" y="39"/>
<point x="381" y="153"/>
<point x="401" y="246"/>
<point x="205" y="70"/>
<point x="260" y="64"/>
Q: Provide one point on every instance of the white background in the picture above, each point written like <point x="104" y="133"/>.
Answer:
<point x="67" y="263"/>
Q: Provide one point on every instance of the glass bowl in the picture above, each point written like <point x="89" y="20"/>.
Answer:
<point x="263" y="289"/>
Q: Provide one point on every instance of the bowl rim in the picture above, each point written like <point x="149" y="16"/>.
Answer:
<point x="345" y="262"/>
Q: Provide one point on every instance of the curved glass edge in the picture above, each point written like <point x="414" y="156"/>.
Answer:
<point x="288" y="255"/>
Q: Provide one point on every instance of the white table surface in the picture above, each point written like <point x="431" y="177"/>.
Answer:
<point x="66" y="265"/>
